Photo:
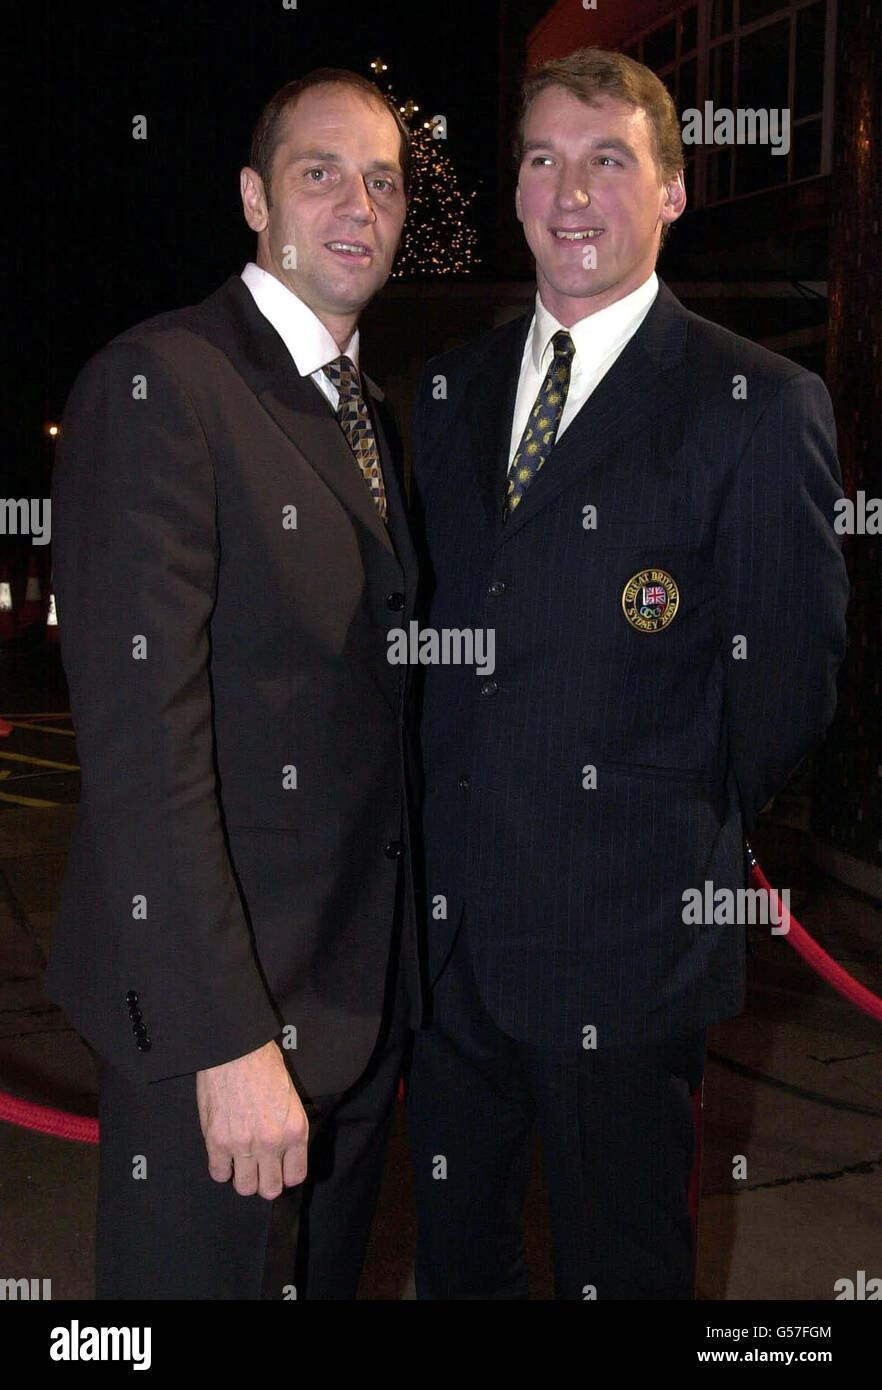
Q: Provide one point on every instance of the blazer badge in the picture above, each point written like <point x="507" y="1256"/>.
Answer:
<point x="650" y="600"/>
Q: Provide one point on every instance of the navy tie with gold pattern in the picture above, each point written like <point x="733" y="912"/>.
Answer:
<point x="543" y="424"/>
<point x="352" y="412"/>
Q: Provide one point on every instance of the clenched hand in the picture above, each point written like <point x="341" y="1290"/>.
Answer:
<point x="254" y="1125"/>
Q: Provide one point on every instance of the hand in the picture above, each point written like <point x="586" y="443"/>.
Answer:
<point x="253" y="1123"/>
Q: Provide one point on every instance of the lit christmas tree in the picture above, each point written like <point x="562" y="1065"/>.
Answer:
<point x="437" y="240"/>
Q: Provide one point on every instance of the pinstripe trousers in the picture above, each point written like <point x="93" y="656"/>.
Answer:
<point x="617" y="1134"/>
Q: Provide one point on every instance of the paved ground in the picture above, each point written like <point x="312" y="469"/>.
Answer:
<point x="793" y="1087"/>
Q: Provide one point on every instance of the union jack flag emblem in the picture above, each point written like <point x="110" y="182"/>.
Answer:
<point x="655" y="596"/>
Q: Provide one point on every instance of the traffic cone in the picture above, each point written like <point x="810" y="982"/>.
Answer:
<point x="51" y="616"/>
<point x="32" y="608"/>
<point x="8" y="624"/>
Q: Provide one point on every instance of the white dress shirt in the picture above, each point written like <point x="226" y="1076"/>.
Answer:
<point x="599" y="340"/>
<point x="310" y="344"/>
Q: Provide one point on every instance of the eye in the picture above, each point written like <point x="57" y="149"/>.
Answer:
<point x="609" y="159"/>
<point x="319" y="169"/>
<point x="386" y="184"/>
<point x="540" y="159"/>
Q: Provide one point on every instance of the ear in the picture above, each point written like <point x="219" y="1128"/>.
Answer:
<point x="518" y="209"/>
<point x="253" y="199"/>
<point x="674" y="204"/>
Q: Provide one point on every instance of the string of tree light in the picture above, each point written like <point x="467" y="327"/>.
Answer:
<point x="437" y="239"/>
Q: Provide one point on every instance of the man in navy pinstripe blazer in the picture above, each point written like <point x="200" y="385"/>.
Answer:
<point x="639" y="504"/>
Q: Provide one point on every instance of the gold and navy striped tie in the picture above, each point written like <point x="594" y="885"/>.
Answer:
<point x="352" y="412"/>
<point x="543" y="424"/>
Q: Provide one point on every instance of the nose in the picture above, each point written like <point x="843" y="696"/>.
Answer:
<point x="355" y="202"/>
<point x="572" y="190"/>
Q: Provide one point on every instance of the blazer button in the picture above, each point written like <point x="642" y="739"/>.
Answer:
<point x="496" y="588"/>
<point x="135" y="1014"/>
<point x="489" y="686"/>
<point x="395" y="602"/>
<point x="144" y="1044"/>
<point x="464" y="782"/>
<point x="393" y="849"/>
<point x="132" y="996"/>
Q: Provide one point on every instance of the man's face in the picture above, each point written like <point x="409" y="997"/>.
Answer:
<point x="337" y="201"/>
<point x="590" y="170"/>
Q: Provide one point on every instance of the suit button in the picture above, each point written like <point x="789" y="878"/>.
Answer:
<point x="489" y="686"/>
<point x="144" y="1044"/>
<point x="496" y="588"/>
<point x="132" y="997"/>
<point x="464" y="782"/>
<point x="395" y="602"/>
<point x="393" y="849"/>
<point x="135" y="1015"/>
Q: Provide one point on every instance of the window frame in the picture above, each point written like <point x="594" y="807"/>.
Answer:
<point x="699" y="155"/>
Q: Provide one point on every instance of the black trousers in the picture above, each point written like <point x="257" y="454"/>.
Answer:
<point x="167" y="1230"/>
<point x="617" y="1136"/>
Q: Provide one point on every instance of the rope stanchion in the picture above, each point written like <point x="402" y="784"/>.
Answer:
<point x="42" y="1118"/>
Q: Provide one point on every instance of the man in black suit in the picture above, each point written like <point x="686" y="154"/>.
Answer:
<point x="640" y="505"/>
<point x="236" y="934"/>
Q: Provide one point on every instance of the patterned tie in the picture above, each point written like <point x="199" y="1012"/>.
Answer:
<point x="542" y="426"/>
<point x="356" y="423"/>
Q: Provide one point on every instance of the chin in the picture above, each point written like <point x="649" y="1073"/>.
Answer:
<point x="583" y="287"/>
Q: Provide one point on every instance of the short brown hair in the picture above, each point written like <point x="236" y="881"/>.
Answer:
<point x="267" y="131"/>
<point x="592" y="72"/>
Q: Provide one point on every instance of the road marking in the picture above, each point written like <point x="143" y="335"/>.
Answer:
<point x="41" y="762"/>
<point x="53" y="714"/>
<point x="27" y="800"/>
<point x="40" y="728"/>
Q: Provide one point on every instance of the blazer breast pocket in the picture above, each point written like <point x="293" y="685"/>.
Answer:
<point x="648" y="588"/>
<point x="689" y="776"/>
<point x="651" y="537"/>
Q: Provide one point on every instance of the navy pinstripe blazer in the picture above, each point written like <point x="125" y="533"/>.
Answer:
<point x="573" y="882"/>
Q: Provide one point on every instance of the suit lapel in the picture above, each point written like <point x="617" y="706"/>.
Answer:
<point x="490" y="402"/>
<point x="396" y="505"/>
<point x="237" y="326"/>
<point x="642" y="384"/>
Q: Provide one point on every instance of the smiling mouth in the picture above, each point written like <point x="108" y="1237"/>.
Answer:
<point x="582" y="234"/>
<point x="353" y="250"/>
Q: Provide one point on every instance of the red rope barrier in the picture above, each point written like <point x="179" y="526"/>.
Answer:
<point x="814" y="956"/>
<point x="26" y="1115"/>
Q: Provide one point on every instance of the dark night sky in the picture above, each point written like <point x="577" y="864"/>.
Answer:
<point x="119" y="229"/>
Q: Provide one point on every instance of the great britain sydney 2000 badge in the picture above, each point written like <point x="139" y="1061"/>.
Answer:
<point x="650" y="600"/>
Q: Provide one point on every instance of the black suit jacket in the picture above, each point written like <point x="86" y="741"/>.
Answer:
<point x="574" y="893"/>
<point x="241" y="733"/>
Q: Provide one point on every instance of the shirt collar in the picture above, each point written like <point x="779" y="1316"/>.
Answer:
<point x="596" y="334"/>
<point x="303" y="333"/>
